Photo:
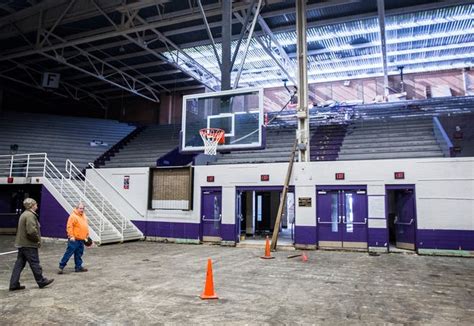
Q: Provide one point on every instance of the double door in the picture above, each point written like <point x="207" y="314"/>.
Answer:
<point x="342" y="217"/>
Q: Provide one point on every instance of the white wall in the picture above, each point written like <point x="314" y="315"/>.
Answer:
<point x="136" y="194"/>
<point x="444" y="188"/>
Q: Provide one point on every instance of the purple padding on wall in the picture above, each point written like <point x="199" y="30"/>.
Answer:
<point x="169" y="229"/>
<point x="53" y="217"/>
<point x="445" y="239"/>
<point x="305" y="235"/>
<point x="377" y="237"/>
<point x="228" y="232"/>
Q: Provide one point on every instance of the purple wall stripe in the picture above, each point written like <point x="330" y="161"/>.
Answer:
<point x="445" y="239"/>
<point x="228" y="232"/>
<point x="169" y="229"/>
<point x="53" y="217"/>
<point x="305" y="235"/>
<point x="377" y="237"/>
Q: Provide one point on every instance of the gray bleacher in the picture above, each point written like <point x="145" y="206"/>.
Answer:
<point x="278" y="149"/>
<point x="375" y="131"/>
<point x="61" y="137"/>
<point x="390" y="139"/>
<point x="147" y="147"/>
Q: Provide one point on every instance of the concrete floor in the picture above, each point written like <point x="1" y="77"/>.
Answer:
<point x="143" y="283"/>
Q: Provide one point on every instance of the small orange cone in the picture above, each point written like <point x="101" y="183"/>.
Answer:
<point x="208" y="292"/>
<point x="304" y="258"/>
<point x="267" y="250"/>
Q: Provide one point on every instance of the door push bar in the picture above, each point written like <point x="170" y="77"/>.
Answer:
<point x="211" y="219"/>
<point x="345" y="222"/>
<point x="338" y="220"/>
<point x="401" y="223"/>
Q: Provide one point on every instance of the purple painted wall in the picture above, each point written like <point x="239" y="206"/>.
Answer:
<point x="228" y="232"/>
<point x="169" y="229"/>
<point x="378" y="237"/>
<point x="53" y="217"/>
<point x="305" y="235"/>
<point x="445" y="239"/>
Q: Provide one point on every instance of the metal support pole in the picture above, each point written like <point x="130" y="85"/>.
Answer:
<point x="1" y="98"/>
<point x="302" y="72"/>
<point x="226" y="43"/>
<point x="383" y="42"/>
<point x="247" y="44"/>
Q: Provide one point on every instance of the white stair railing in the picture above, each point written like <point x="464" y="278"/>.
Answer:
<point x="83" y="184"/>
<point x="38" y="165"/>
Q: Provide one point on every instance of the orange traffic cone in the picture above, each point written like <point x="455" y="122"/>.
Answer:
<point x="209" y="286"/>
<point x="304" y="258"/>
<point x="267" y="250"/>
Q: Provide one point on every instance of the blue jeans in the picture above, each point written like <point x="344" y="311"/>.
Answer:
<point x="76" y="248"/>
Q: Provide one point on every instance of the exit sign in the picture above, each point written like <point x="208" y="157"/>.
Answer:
<point x="399" y="175"/>
<point x="210" y="178"/>
<point x="340" y="176"/>
<point x="264" y="177"/>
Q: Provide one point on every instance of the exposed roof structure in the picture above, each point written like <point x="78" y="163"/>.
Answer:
<point x="107" y="49"/>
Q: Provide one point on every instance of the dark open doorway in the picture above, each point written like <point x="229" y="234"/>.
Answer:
<point x="401" y="217"/>
<point x="257" y="210"/>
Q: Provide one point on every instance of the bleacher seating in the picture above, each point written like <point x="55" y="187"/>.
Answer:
<point x="278" y="149"/>
<point x="371" y="131"/>
<point x="326" y="142"/>
<point x="390" y="138"/>
<point x="144" y="150"/>
<point x="61" y="137"/>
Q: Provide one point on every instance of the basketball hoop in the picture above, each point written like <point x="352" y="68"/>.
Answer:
<point x="211" y="138"/>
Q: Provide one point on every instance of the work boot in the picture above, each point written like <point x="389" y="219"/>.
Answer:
<point x="46" y="282"/>
<point x="19" y="287"/>
<point x="61" y="271"/>
<point x="82" y="269"/>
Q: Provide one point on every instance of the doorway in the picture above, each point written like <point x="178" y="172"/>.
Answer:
<point x="257" y="209"/>
<point x="211" y="214"/>
<point x="401" y="217"/>
<point x="11" y="204"/>
<point x="341" y="213"/>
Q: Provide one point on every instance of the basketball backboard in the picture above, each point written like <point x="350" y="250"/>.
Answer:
<point x="239" y="112"/>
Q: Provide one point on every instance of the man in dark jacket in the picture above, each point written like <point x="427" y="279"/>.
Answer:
<point x="28" y="240"/>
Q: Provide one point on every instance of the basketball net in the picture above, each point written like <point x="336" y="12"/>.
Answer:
<point x="211" y="137"/>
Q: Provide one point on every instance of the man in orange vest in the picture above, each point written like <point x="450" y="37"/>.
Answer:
<point x="77" y="231"/>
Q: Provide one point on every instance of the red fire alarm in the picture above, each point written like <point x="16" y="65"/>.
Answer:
<point x="264" y="177"/>
<point x="399" y="175"/>
<point x="340" y="176"/>
<point x="210" y="178"/>
<point x="10" y="179"/>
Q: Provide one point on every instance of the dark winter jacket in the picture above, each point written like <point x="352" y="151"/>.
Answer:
<point x="28" y="232"/>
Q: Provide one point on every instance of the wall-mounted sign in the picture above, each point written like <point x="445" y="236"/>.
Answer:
<point x="264" y="177"/>
<point x="210" y="178"/>
<point x="399" y="175"/>
<point x="340" y="176"/>
<point x="51" y="80"/>
<point x="126" y="182"/>
<point x="304" y="201"/>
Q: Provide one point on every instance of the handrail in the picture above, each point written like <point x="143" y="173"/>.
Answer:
<point x="38" y="165"/>
<point x="81" y="196"/>
<point x="112" y="213"/>
<point x="72" y="169"/>
<point x="115" y="190"/>
<point x="442" y="137"/>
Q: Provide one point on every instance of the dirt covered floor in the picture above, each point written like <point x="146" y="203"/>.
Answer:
<point x="142" y="283"/>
